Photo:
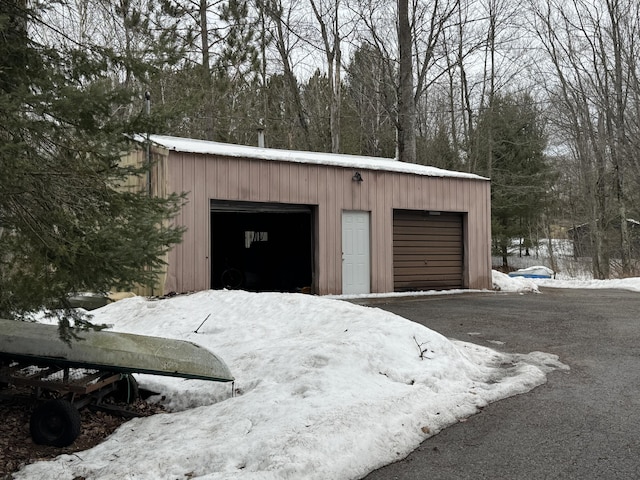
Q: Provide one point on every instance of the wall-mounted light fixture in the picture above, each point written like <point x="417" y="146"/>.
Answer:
<point x="357" y="177"/>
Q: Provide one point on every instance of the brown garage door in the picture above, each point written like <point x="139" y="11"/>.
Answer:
<point x="427" y="250"/>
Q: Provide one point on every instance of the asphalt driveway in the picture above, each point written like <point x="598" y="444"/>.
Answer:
<point x="582" y="424"/>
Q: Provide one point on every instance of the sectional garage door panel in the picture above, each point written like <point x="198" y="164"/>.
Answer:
<point x="428" y="251"/>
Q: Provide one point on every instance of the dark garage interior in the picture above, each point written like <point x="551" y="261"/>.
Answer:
<point x="261" y="247"/>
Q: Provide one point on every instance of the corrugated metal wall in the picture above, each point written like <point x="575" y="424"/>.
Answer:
<point x="330" y="190"/>
<point x="157" y="181"/>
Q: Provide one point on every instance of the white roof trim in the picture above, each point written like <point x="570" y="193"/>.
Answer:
<point x="189" y="145"/>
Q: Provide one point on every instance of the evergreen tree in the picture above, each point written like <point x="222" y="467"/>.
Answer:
<point x="509" y="148"/>
<point x="220" y="96"/>
<point x="437" y="151"/>
<point x="236" y="70"/>
<point x="67" y="221"/>
<point x="316" y="96"/>
<point x="368" y="109"/>
<point x="282" y="126"/>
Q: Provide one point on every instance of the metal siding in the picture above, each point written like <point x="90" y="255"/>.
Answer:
<point x="431" y="202"/>
<point x="414" y="188"/>
<point x="440" y="200"/>
<point x="332" y="190"/>
<point x="313" y="184"/>
<point x="322" y="234"/>
<point x="234" y="180"/>
<point x="387" y="230"/>
<point x="181" y="219"/>
<point x="254" y="180"/>
<point x="374" y="199"/>
<point x="201" y="230"/>
<point x="264" y="185"/>
<point x="290" y="190"/>
<point x="220" y="171"/>
<point x="188" y="261"/>
<point x="170" y="283"/>
<point x="274" y="182"/>
<point x="334" y="229"/>
<point x="303" y="182"/>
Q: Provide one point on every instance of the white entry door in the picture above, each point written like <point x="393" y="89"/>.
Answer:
<point x="356" y="276"/>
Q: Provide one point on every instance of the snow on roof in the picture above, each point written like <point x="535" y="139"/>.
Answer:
<point x="190" y="145"/>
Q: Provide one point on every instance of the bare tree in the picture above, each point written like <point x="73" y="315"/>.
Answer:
<point x="615" y="114"/>
<point x="285" y="41"/>
<point x="327" y="15"/>
<point x="414" y="62"/>
<point x="463" y="44"/>
<point x="588" y="45"/>
<point x="406" y="99"/>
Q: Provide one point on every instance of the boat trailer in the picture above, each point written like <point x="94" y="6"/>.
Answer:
<point x="64" y="377"/>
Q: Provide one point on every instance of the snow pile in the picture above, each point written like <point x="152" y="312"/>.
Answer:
<point x="632" y="284"/>
<point x="324" y="389"/>
<point x="537" y="270"/>
<point x="504" y="283"/>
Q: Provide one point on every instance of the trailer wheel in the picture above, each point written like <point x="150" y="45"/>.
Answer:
<point x="127" y="390"/>
<point x="232" y="278"/>
<point x="55" y="423"/>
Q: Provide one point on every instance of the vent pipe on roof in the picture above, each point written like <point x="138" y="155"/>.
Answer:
<point x="260" y="130"/>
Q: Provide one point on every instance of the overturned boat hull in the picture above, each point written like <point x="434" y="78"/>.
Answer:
<point x="40" y="344"/>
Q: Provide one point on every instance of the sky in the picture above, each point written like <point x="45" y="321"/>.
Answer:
<point x="323" y="388"/>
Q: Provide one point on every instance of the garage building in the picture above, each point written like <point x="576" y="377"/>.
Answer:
<point x="279" y="220"/>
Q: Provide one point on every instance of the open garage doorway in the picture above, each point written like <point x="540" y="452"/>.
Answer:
<point x="261" y="246"/>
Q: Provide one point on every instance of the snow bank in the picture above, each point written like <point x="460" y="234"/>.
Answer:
<point x="324" y="389"/>
<point x="504" y="283"/>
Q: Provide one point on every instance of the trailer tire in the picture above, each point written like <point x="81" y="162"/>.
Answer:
<point x="127" y="390"/>
<point x="232" y="278"/>
<point x="55" y="423"/>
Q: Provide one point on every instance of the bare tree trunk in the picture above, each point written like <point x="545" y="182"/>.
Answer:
<point x="618" y="132"/>
<point x="455" y="142"/>
<point x="582" y="111"/>
<point x="336" y="91"/>
<point x="275" y="10"/>
<point x="406" y="101"/>
<point x="204" y="39"/>
<point x="465" y="97"/>
<point x="458" y="113"/>
<point x="333" y="55"/>
<point x="553" y="264"/>
<point x="264" y="34"/>
<point x="601" y="266"/>
<point x="207" y="83"/>
<point x="491" y="46"/>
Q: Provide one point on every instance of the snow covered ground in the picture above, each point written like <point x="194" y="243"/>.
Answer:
<point x="632" y="284"/>
<point x="324" y="388"/>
